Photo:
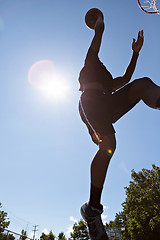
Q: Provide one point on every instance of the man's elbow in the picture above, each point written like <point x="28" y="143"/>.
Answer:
<point x="126" y="78"/>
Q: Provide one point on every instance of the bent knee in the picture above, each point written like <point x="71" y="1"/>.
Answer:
<point x="108" y="144"/>
<point x="142" y="83"/>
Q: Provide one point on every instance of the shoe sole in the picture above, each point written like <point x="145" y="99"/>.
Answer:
<point x="83" y="215"/>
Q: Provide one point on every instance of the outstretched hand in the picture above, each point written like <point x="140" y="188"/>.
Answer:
<point x="137" y="44"/>
<point x="99" y="25"/>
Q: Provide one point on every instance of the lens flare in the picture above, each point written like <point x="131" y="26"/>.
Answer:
<point x="110" y="152"/>
<point x="45" y="77"/>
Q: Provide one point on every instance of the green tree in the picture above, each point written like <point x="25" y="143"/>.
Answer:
<point x="7" y="237"/>
<point x="10" y="237"/>
<point x="23" y="235"/>
<point x="49" y="236"/>
<point x="43" y="236"/>
<point x="4" y="223"/>
<point x="117" y="223"/>
<point x="140" y="216"/>
<point x="80" y="231"/>
<point x="61" y="236"/>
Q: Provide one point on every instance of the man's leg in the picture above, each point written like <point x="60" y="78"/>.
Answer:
<point x="98" y="120"/>
<point x="92" y="211"/>
<point x="128" y="96"/>
<point x="146" y="90"/>
<point x="99" y="168"/>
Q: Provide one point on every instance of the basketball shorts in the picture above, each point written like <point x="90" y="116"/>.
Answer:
<point x="99" y="110"/>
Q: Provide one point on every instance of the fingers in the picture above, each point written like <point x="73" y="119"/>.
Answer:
<point x="138" y="43"/>
<point x="133" y="40"/>
<point x="140" y="34"/>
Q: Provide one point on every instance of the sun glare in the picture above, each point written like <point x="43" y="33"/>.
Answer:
<point x="46" y="78"/>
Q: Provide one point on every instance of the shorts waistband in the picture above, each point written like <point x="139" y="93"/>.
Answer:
<point x="92" y="90"/>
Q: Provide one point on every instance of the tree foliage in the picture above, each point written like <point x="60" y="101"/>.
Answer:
<point x="7" y="237"/>
<point x="4" y="223"/>
<point x="140" y="216"/>
<point x="61" y="236"/>
<point x="49" y="236"/>
<point x="80" y="231"/>
<point x="23" y="235"/>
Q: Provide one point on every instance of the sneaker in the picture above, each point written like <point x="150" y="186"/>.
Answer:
<point x="93" y="218"/>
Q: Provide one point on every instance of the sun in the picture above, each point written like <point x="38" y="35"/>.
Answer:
<point x="46" y="78"/>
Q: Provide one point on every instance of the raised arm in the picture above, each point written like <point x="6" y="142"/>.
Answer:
<point x="96" y="42"/>
<point x="136" y="47"/>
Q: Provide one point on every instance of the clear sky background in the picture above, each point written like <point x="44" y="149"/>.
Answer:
<point x="45" y="148"/>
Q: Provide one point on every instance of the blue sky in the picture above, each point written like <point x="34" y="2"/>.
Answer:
<point x="45" y="148"/>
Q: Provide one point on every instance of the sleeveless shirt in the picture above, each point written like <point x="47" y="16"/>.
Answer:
<point x="95" y="71"/>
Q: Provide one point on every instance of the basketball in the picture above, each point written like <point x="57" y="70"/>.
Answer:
<point x="91" y="17"/>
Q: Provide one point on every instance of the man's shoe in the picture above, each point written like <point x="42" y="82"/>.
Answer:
<point x="93" y="218"/>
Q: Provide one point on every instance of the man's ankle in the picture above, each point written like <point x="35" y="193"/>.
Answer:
<point x="96" y="206"/>
<point x="95" y="197"/>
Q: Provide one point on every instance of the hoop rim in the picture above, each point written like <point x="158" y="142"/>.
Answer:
<point x="152" y="12"/>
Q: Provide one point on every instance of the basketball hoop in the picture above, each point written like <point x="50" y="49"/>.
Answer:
<point x="150" y="6"/>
